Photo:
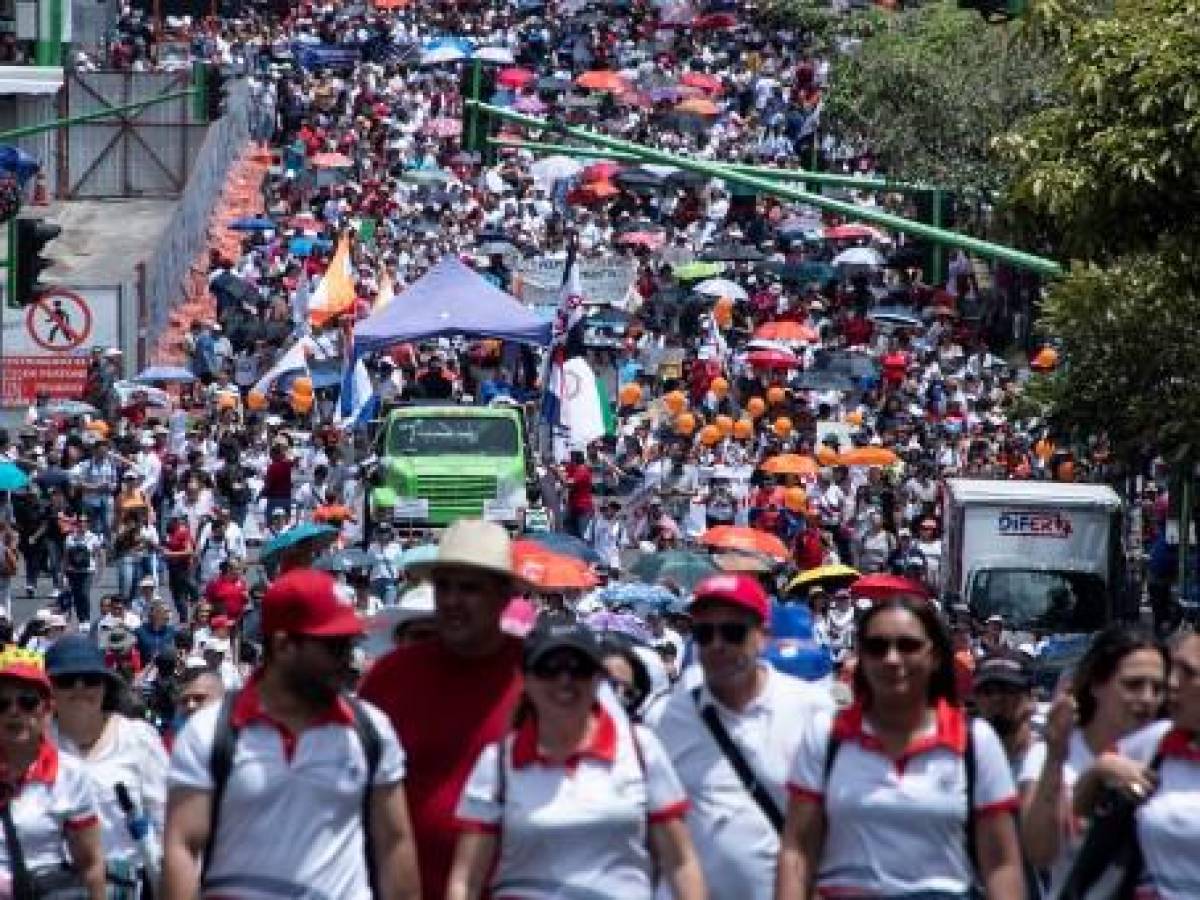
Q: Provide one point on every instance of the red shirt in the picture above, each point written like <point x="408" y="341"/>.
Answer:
<point x="277" y="482"/>
<point x="443" y="730"/>
<point x="228" y="596"/>
<point x="579" y="488"/>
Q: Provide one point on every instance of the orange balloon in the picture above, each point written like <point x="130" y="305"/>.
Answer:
<point x="723" y="318"/>
<point x="795" y="499"/>
<point x="302" y="404"/>
<point x="724" y="303"/>
<point x="685" y="424"/>
<point x="710" y="435"/>
<point x="782" y="426"/>
<point x="99" y="426"/>
<point x="826" y="455"/>
<point x="302" y="386"/>
<point x="631" y="394"/>
<point x="226" y="401"/>
<point x="756" y="406"/>
<point x="256" y="400"/>
<point x="743" y="429"/>
<point x="724" y="424"/>
<point x="676" y="402"/>
<point x="854" y="417"/>
<point x="776" y="395"/>
<point x="720" y="387"/>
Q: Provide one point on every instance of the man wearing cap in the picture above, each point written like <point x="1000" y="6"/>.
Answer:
<point x="290" y="817"/>
<point x="96" y="477"/>
<point x="761" y="712"/>
<point x="451" y="696"/>
<point x="1003" y="691"/>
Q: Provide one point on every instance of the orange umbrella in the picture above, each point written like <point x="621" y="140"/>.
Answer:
<point x="602" y="80"/>
<point x="710" y="84"/>
<point x="698" y="106"/>
<point x="787" y="331"/>
<point x="549" y="571"/>
<point x="791" y="464"/>
<point x="747" y="540"/>
<point x="868" y="456"/>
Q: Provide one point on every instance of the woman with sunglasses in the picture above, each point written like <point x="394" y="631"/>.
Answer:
<point x="574" y="801"/>
<point x="882" y="803"/>
<point x="115" y="750"/>
<point x="1117" y="688"/>
<point x="52" y="807"/>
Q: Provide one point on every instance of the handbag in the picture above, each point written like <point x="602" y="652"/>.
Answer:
<point x="49" y="883"/>
<point x="1109" y="862"/>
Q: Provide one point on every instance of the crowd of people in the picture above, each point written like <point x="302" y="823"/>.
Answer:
<point x="286" y="694"/>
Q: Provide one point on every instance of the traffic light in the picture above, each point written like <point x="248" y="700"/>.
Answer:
<point x="31" y="239"/>
<point x="215" y="93"/>
<point x="996" y="11"/>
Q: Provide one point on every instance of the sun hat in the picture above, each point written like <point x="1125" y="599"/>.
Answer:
<point x="306" y="602"/>
<point x="75" y="654"/>
<point x="471" y="544"/>
<point x="559" y="633"/>
<point x="734" y="589"/>
<point x="25" y="665"/>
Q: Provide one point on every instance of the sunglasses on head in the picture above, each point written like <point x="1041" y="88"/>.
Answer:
<point x="905" y="645"/>
<point x="571" y="665"/>
<point x="26" y="701"/>
<point x="731" y="632"/>
<point x="88" y="680"/>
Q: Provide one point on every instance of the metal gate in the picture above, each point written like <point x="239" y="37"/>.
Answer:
<point x="147" y="153"/>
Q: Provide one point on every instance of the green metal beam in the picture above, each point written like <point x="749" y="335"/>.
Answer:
<point x="986" y="249"/>
<point x="91" y="116"/>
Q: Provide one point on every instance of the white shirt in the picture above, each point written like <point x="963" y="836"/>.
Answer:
<point x="896" y="827"/>
<point x="574" y="830"/>
<point x="291" y="817"/>
<point x="735" y="843"/>
<point x="57" y="797"/>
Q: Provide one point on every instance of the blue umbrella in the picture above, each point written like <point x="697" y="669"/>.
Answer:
<point x="426" y="553"/>
<point x="306" y="531"/>
<point x="252" y="223"/>
<point x="651" y="596"/>
<point x="12" y="478"/>
<point x="165" y="374"/>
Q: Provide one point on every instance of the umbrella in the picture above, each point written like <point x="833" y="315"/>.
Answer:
<point x="747" y="540"/>
<point x="252" y="223"/>
<point x="568" y="545"/>
<point x="443" y="127"/>
<point x="602" y="80"/>
<point x="345" y="560"/>
<point x="600" y="171"/>
<point x="653" y="596"/>
<point x="895" y="315"/>
<point x="639" y="180"/>
<point x="306" y="532"/>
<point x="12" y="478"/>
<point x="801" y="273"/>
<point x="549" y="571"/>
<point x="425" y="176"/>
<point x="822" y="575"/>
<point x="650" y="240"/>
<point x="499" y="55"/>
<point x="714" y="22"/>
<point x="574" y="102"/>
<point x="772" y="359"/>
<point x="332" y="161"/>
<point x="710" y="84"/>
<point x="553" y="168"/>
<point x="554" y="85"/>
<point x="698" y="106"/>
<point x="731" y="252"/>
<point x="415" y="556"/>
<point x="905" y="258"/>
<point x="886" y="587"/>
<point x="593" y="192"/>
<point x="683" y="567"/>
<point x="164" y="375"/>
<point x="463" y="158"/>
<point x="721" y="287"/>
<point x="855" y="231"/>
<point x="791" y="464"/>
<point x="859" y="256"/>
<point x="444" y="53"/>
<point x="627" y="624"/>
<point x="515" y="78"/>
<point x="531" y="105"/>
<point x="787" y="331"/>
<point x="868" y="456"/>
<point x="814" y="380"/>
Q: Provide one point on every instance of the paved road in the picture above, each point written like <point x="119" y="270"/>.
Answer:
<point x="24" y="607"/>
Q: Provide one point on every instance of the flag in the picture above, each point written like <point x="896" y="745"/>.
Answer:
<point x="300" y="300"/>
<point x="334" y="296"/>
<point x="386" y="292"/>
<point x="295" y="359"/>
<point x="358" y="401"/>
<point x="570" y="311"/>
<point x="582" y="410"/>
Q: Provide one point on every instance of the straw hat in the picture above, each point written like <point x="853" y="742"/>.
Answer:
<point x="472" y="544"/>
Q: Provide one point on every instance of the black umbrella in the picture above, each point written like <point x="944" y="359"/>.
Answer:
<point x="822" y="381"/>
<point x="731" y="253"/>
<point x="686" y="179"/>
<point x="555" y="85"/>
<point x="639" y="180"/>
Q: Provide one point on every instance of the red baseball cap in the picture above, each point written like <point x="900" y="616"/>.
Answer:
<point x="735" y="589"/>
<point x="306" y="602"/>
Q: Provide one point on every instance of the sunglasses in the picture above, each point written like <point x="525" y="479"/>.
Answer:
<point x="26" y="702"/>
<point x="905" y="645"/>
<point x="574" y="667"/>
<point x="731" y="632"/>
<point x="66" y="682"/>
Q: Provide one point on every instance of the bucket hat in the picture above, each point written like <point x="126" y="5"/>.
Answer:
<point x="472" y="544"/>
<point x="75" y="654"/>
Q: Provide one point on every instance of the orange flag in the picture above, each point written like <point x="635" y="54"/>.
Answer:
<point x="334" y="296"/>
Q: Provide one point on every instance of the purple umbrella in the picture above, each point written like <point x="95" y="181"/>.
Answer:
<point x="621" y="623"/>
<point x="531" y="105"/>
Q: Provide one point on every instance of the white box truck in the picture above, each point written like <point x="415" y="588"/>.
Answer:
<point x="1046" y="556"/>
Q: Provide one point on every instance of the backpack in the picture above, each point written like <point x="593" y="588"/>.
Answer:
<point x="78" y="558"/>
<point x="220" y="765"/>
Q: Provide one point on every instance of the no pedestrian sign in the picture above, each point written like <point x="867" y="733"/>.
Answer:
<point x="59" y="321"/>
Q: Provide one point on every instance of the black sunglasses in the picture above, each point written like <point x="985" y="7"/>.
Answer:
<point x="26" y="702"/>
<point x="905" y="645"/>
<point x="731" y="632"/>
<point x="65" y="682"/>
<point x="571" y="665"/>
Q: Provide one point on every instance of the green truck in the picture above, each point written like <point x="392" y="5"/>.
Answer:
<point x="438" y="464"/>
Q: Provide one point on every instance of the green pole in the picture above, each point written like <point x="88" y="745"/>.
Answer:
<point x="199" y="92"/>
<point x="473" y="143"/>
<point x="936" y="255"/>
<point x="88" y="117"/>
<point x="1010" y="255"/>
<point x="48" y="50"/>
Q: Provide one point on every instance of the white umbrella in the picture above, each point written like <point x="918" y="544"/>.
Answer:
<point x="721" y="287"/>
<point x="551" y="168"/>
<point x="443" y="53"/>
<point x="859" y="256"/>
<point x="499" y="55"/>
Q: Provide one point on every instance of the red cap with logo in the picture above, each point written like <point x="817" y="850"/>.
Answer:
<point x="735" y="589"/>
<point x="306" y="602"/>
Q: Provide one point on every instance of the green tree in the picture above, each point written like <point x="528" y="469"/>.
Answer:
<point x="1112" y="174"/>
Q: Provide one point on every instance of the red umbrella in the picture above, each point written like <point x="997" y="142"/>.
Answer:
<point x="714" y="22"/>
<point x="888" y="587"/>
<point x="599" y="171"/>
<point x="853" y="231"/>
<point x="514" y="77"/>
<point x="651" y="240"/>
<point x="710" y="84"/>
<point x="593" y="192"/>
<point x="772" y="359"/>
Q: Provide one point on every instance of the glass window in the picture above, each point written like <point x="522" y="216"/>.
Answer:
<point x="433" y="435"/>
<point x="1050" y="601"/>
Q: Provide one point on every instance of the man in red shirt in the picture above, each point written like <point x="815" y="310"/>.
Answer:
<point x="277" y="481"/>
<point x="452" y="695"/>
<point x="576" y="477"/>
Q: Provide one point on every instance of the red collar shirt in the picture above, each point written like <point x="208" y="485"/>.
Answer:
<point x="54" y="796"/>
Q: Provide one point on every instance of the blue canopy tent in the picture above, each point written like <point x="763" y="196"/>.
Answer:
<point x="450" y="299"/>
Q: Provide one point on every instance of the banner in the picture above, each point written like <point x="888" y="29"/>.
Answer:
<point x="538" y="282"/>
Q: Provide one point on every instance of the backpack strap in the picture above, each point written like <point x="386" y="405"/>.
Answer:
<point x="832" y="745"/>
<point x="969" y="764"/>
<point x="372" y="745"/>
<point x="220" y="765"/>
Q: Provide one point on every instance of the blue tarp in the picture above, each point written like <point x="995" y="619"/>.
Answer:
<point x="450" y="299"/>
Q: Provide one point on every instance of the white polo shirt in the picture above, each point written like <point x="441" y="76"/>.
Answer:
<point x="573" y="830"/>
<point x="291" y="817"/>
<point x="54" y="796"/>
<point x="1169" y="822"/>
<point x="899" y="826"/>
<point x="737" y="846"/>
